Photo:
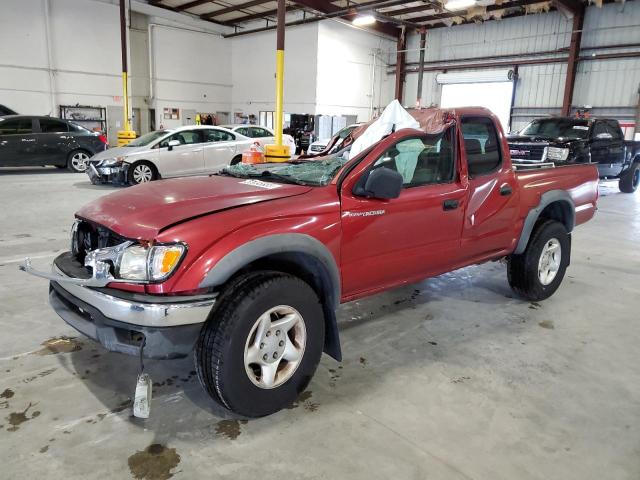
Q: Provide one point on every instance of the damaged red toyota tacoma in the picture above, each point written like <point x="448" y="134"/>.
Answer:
<point x="245" y="268"/>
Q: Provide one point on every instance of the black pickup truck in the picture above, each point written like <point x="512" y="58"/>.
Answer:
<point x="563" y="141"/>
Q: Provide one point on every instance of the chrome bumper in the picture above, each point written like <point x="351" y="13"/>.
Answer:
<point x="151" y="311"/>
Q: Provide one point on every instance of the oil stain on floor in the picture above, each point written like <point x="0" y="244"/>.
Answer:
<point x="229" y="428"/>
<point x="547" y="324"/>
<point x="57" y="345"/>
<point x="16" y="419"/>
<point x="154" y="463"/>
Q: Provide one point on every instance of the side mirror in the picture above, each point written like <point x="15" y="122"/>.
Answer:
<point x="383" y="183"/>
<point x="172" y="143"/>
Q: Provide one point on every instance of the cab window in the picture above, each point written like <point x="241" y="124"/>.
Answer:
<point x="481" y="145"/>
<point x="186" y="137"/>
<point x="421" y="160"/>
<point x="213" y="135"/>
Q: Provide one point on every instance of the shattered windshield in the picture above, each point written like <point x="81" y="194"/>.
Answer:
<point x="318" y="171"/>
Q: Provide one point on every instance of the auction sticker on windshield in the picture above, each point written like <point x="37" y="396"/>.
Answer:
<point x="261" y="184"/>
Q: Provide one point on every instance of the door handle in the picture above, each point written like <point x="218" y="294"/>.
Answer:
<point x="450" y="204"/>
<point x="506" y="190"/>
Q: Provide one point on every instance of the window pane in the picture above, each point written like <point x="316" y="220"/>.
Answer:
<point x="218" y="136"/>
<point x="260" y="132"/>
<point x="244" y="131"/>
<point x="481" y="145"/>
<point x="187" y="137"/>
<point x="50" y="125"/>
<point x="16" y="126"/>
<point x="420" y="161"/>
<point x="614" y="129"/>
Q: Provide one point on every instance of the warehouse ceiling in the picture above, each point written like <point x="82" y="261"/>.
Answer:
<point x="391" y="15"/>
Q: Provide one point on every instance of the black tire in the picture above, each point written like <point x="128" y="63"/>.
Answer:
<point x="237" y="159"/>
<point x="630" y="180"/>
<point x="141" y="172"/>
<point x="522" y="270"/>
<point x="76" y="160"/>
<point x="220" y="350"/>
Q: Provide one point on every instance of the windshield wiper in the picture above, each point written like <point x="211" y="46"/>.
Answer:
<point x="263" y="174"/>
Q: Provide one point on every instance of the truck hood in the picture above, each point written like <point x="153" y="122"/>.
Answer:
<point x="533" y="139"/>
<point x="141" y="212"/>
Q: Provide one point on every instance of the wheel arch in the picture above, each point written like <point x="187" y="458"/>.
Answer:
<point x="297" y="254"/>
<point x="554" y="205"/>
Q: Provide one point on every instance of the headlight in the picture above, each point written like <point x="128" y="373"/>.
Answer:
<point x="149" y="263"/>
<point x="555" y="153"/>
<point x="111" y="162"/>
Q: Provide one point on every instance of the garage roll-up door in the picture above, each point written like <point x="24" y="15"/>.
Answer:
<point x="476" y="76"/>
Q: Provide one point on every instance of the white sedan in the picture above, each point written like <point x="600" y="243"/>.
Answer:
<point x="263" y="135"/>
<point x="189" y="150"/>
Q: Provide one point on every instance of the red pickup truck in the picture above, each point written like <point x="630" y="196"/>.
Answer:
<point x="246" y="268"/>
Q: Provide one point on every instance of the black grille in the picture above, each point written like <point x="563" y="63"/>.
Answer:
<point x="90" y="236"/>
<point x="527" y="151"/>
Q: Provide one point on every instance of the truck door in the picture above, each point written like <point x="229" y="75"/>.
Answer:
<point x="492" y="206"/>
<point x="616" y="145"/>
<point x="599" y="142"/>
<point x="414" y="236"/>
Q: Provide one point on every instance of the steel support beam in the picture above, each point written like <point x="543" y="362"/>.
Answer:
<point x="401" y="57"/>
<point x="423" y="44"/>
<point x="574" y="57"/>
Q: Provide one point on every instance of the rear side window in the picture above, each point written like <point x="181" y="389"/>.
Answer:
<point x="481" y="145"/>
<point x="16" y="126"/>
<point x="51" y="125"/>
<point x="213" y="135"/>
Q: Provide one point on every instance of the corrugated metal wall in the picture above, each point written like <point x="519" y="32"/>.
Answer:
<point x="609" y="86"/>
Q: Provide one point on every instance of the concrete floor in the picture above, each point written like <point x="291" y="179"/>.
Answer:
<point x="451" y="378"/>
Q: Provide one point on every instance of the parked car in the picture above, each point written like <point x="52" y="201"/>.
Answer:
<point x="564" y="141"/>
<point x="40" y="141"/>
<point x="247" y="267"/>
<point x="262" y="135"/>
<point x="319" y="146"/>
<point x="4" y="110"/>
<point x="189" y="150"/>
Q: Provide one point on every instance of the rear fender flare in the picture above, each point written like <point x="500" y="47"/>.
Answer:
<point x="288" y="243"/>
<point x="547" y="199"/>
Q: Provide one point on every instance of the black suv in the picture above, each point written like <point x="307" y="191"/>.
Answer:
<point x="563" y="140"/>
<point x="38" y="141"/>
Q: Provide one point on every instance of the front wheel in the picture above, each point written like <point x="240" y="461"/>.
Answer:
<point x="630" y="180"/>
<point x="262" y="344"/>
<point x="141" y="172"/>
<point x="538" y="272"/>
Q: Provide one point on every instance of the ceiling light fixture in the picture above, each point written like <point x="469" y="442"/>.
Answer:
<point x="362" y="20"/>
<point x="459" y="4"/>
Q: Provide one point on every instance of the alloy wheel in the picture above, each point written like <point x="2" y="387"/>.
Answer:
<point x="549" y="262"/>
<point x="275" y="347"/>
<point x="142" y="174"/>
<point x="79" y="161"/>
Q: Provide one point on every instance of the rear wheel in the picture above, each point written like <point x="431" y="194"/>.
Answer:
<point x="261" y="345"/>
<point x="538" y="272"/>
<point x="141" y="172"/>
<point x="77" y="161"/>
<point x="630" y="179"/>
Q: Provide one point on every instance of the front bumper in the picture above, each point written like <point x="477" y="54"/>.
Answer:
<point x="116" y="175"/>
<point x="169" y="326"/>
